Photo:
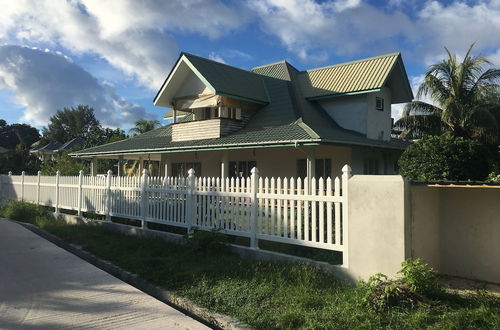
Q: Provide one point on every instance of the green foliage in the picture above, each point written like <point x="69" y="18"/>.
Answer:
<point x="493" y="177"/>
<point x="143" y="126"/>
<point x="65" y="164"/>
<point x="22" y="211"/>
<point x="420" y="277"/>
<point x="270" y="295"/>
<point x="382" y="293"/>
<point x="17" y="134"/>
<point x="465" y="101"/>
<point x="445" y="158"/>
<point x="418" y="283"/>
<point x="208" y="242"/>
<point x="70" y="123"/>
<point x="17" y="138"/>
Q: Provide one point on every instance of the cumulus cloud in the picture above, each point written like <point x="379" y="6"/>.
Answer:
<point x="45" y="81"/>
<point x="134" y="36"/>
<point x="312" y="30"/>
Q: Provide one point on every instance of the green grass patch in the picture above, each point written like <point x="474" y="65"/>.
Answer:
<point x="266" y="295"/>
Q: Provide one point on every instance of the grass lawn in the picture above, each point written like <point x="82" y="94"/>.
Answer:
<point x="267" y="295"/>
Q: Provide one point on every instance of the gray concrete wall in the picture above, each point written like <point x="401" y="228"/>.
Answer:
<point x="349" y="111"/>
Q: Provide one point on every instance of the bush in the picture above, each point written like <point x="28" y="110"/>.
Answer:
<point x="420" y="277"/>
<point x="23" y="211"/>
<point x="418" y="282"/>
<point x="435" y="158"/>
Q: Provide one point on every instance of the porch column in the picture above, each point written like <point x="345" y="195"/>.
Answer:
<point x="120" y="164"/>
<point x="165" y="165"/>
<point x="93" y="166"/>
<point x="141" y="165"/>
<point x="224" y="165"/>
<point x="311" y="166"/>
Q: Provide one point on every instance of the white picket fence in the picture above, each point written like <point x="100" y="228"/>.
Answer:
<point x="305" y="212"/>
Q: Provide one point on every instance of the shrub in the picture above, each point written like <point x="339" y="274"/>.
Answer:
<point x="445" y="157"/>
<point x="420" y="277"/>
<point x="493" y="177"/>
<point x="23" y="211"/>
<point x="418" y="282"/>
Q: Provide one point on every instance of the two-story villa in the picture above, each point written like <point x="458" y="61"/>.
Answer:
<point x="287" y="122"/>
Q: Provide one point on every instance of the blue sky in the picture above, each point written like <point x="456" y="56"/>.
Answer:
<point x="113" y="55"/>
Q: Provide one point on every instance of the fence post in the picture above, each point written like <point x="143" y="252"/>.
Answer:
<point x="80" y="188"/>
<point x="22" y="186"/>
<point x="108" y="195"/>
<point x="144" y="199"/>
<point x="38" y="174"/>
<point x="11" y="185"/>
<point x="190" y="204"/>
<point x="57" y="191"/>
<point x="346" y="175"/>
<point x="254" y="179"/>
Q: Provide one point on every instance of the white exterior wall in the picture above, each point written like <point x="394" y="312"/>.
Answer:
<point x="349" y="111"/>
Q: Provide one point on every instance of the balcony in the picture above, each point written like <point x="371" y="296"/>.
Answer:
<point x="205" y="129"/>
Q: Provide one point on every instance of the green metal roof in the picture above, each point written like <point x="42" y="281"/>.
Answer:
<point x="287" y="118"/>
<point x="229" y="80"/>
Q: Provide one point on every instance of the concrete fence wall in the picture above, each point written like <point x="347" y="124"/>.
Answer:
<point x="454" y="229"/>
<point x="457" y="230"/>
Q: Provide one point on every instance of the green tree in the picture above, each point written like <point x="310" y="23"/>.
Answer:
<point x="143" y="126"/>
<point x="66" y="165"/>
<point x="12" y="135"/>
<point x="465" y="98"/>
<point x="445" y="157"/>
<point x="71" y="123"/>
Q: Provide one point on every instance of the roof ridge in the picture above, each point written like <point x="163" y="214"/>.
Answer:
<point x="217" y="62"/>
<point x="265" y="65"/>
<point x="352" y="62"/>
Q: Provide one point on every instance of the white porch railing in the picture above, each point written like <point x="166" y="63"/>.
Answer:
<point x="305" y="212"/>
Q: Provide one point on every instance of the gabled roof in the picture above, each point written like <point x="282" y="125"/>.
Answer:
<point x="71" y="144"/>
<point x="221" y="79"/>
<point x="288" y="116"/>
<point x="51" y="147"/>
<point x="355" y="77"/>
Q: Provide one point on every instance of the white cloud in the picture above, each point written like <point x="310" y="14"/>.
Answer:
<point x="44" y="82"/>
<point x="311" y="29"/>
<point x="131" y="35"/>
<point x="216" y="57"/>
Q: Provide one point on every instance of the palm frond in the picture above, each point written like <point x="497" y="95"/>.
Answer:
<point x="416" y="126"/>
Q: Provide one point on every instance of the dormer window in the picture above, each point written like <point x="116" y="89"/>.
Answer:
<point x="379" y="104"/>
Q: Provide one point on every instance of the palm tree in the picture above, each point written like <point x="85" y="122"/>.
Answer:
<point x="143" y="126"/>
<point x="465" y="97"/>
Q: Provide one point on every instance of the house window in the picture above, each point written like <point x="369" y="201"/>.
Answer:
<point x="301" y="168"/>
<point x="370" y="166"/>
<point x="233" y="113"/>
<point x="181" y="169"/>
<point x="241" y="169"/>
<point x="323" y="168"/>
<point x="379" y="104"/>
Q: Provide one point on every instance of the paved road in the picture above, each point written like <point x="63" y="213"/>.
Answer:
<point x="45" y="287"/>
